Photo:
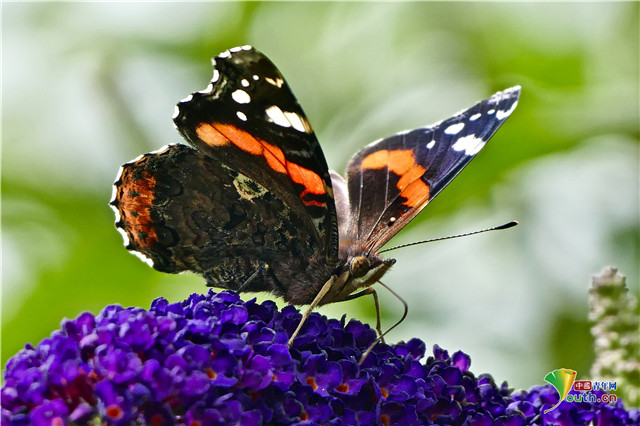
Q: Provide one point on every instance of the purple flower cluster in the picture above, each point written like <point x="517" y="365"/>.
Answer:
<point x="214" y="359"/>
<point x="533" y="402"/>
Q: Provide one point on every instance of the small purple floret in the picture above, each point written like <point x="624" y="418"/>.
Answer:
<point x="214" y="359"/>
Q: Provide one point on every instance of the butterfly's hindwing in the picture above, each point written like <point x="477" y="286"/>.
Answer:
<point x="184" y="211"/>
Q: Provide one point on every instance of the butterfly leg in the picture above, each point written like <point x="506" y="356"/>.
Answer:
<point x="325" y="288"/>
<point x="264" y="267"/>
<point x="371" y="291"/>
<point x="404" y="315"/>
<point x="253" y="276"/>
<point x="331" y="282"/>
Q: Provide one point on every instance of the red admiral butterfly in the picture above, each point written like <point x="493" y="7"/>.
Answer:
<point x="254" y="207"/>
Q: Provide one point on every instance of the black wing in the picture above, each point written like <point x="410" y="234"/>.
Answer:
<point x="249" y="120"/>
<point x="254" y="192"/>
<point x="390" y="181"/>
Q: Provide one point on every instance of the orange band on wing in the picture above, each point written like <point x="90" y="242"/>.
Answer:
<point x="401" y="162"/>
<point x="210" y="135"/>
<point x="312" y="182"/>
<point x="137" y="195"/>
<point x="218" y="134"/>
<point x="416" y="193"/>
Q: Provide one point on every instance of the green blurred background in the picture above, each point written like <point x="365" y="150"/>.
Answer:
<point x="87" y="87"/>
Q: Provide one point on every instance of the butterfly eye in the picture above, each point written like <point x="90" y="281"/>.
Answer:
<point x="359" y="266"/>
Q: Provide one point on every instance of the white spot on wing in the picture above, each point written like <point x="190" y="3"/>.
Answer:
<point x="501" y="115"/>
<point x="207" y="89"/>
<point x="244" y="82"/>
<point x="176" y="112"/>
<point x="431" y="144"/>
<point x="187" y="99"/>
<point x="278" y="82"/>
<point x="135" y="160"/>
<point x="454" y="129"/>
<point x="241" y="97"/>
<point x="298" y="122"/>
<point x="119" y="175"/>
<point x="216" y="76"/>
<point x="224" y="54"/>
<point x="142" y="257"/>
<point x="255" y="77"/>
<point x="277" y="116"/>
<point x="491" y="111"/>
<point x="141" y="156"/>
<point x="161" y="150"/>
<point x="114" y="190"/>
<point x="471" y="145"/>
<point x="125" y="237"/>
<point x="241" y="115"/>
<point x="116" y="211"/>
<point x="474" y="117"/>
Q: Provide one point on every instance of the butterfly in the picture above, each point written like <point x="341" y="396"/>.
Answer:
<point x="251" y="204"/>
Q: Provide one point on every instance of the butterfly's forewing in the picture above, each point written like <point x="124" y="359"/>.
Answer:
<point x="391" y="180"/>
<point x="253" y="197"/>
<point x="249" y="120"/>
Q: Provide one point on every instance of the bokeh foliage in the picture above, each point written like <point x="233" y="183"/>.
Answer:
<point x="87" y="87"/>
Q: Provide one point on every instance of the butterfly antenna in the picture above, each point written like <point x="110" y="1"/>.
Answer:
<point x="494" y="228"/>
<point x="380" y="338"/>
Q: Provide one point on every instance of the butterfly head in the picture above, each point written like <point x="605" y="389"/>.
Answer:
<point x="364" y="271"/>
<point x="357" y="273"/>
<point x="359" y="266"/>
